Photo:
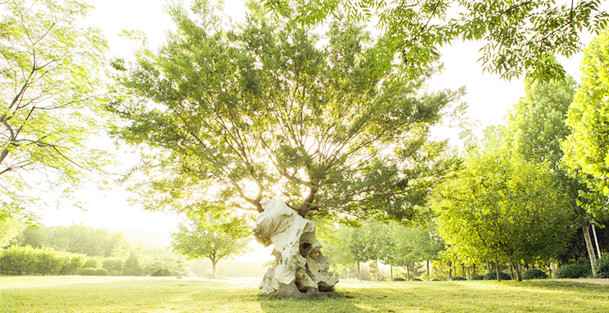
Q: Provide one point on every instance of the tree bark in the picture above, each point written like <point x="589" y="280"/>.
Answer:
<point x="213" y="268"/>
<point x="497" y="268"/>
<point x="359" y="272"/>
<point x="450" y="271"/>
<point x="428" y="270"/>
<point x="589" y="247"/>
<point x="598" y="248"/>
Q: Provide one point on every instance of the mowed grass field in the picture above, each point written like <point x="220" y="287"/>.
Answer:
<point x="128" y="294"/>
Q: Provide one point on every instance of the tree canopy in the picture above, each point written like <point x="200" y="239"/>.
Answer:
<point x="519" y="37"/>
<point x="270" y="109"/>
<point x="587" y="147"/>
<point x="498" y="207"/>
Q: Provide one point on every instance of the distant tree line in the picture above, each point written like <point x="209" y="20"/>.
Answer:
<point x="41" y="250"/>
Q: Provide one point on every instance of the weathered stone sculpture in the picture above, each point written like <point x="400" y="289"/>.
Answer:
<point x="299" y="264"/>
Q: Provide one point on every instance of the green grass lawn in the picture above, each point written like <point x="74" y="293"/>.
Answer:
<point x="122" y="294"/>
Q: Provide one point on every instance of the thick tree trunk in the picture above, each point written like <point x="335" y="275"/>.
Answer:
<point x="450" y="270"/>
<point x="516" y="270"/>
<point x="428" y="270"/>
<point x="359" y="272"/>
<point x="213" y="268"/>
<point x="391" y="270"/>
<point x="589" y="247"/>
<point x="407" y="272"/>
<point x="469" y="274"/>
<point x="488" y="267"/>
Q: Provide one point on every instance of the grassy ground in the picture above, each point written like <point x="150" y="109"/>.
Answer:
<point x="120" y="294"/>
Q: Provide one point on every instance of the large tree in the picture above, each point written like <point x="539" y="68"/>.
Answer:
<point x="519" y="37"/>
<point x="587" y="147"/>
<point x="537" y="128"/>
<point x="271" y="109"/>
<point x="49" y="85"/>
<point x="212" y="236"/>
<point x="497" y="207"/>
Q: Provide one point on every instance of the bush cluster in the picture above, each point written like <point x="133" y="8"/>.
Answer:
<point x="534" y="273"/>
<point x="17" y="260"/>
<point x="458" y="278"/>
<point x="89" y="271"/>
<point x="493" y="276"/>
<point x="602" y="267"/>
<point x="478" y="277"/>
<point x="27" y="260"/>
<point x="573" y="271"/>
<point x="165" y="267"/>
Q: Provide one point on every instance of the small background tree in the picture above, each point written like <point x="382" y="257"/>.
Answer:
<point x="214" y="236"/>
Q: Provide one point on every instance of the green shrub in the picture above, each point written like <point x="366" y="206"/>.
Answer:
<point x="493" y="276"/>
<point x="132" y="266"/>
<point x="437" y="279"/>
<point x="101" y="272"/>
<point x="72" y="264"/>
<point x="18" y="260"/>
<point x="458" y="278"/>
<point x="417" y="279"/>
<point x="89" y="271"/>
<point x="602" y="267"/>
<point x="114" y="273"/>
<point x="92" y="263"/>
<point x="46" y="261"/>
<point x="165" y="267"/>
<point x="112" y="264"/>
<point x="534" y="273"/>
<point x="478" y="277"/>
<point x="399" y="279"/>
<point x="573" y="271"/>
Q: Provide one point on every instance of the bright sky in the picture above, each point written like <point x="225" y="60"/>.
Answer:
<point x="489" y="99"/>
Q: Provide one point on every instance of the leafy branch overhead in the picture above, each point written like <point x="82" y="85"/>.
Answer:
<point x="519" y="37"/>
<point x="270" y="109"/>
<point x="49" y="88"/>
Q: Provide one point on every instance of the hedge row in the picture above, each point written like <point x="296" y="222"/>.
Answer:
<point x="35" y="261"/>
<point x="27" y="260"/>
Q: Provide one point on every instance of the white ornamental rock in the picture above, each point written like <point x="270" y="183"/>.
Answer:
<point x="299" y="264"/>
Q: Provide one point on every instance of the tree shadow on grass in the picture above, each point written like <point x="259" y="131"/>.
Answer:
<point x="319" y="302"/>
